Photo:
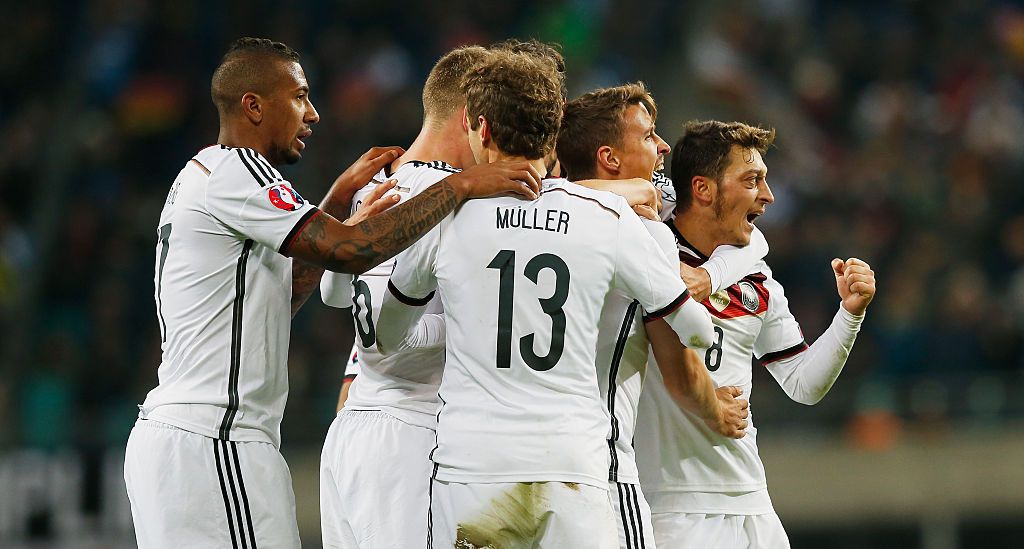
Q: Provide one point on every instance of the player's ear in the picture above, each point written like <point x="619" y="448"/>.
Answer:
<point x="252" y="107"/>
<point x="485" y="131"/>
<point x="608" y="159"/>
<point x="465" y="118"/>
<point x="703" y="189"/>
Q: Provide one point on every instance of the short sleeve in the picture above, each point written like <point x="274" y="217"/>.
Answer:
<point x="246" y="194"/>
<point x="642" y="269"/>
<point x="728" y="264"/>
<point x="780" y="336"/>
<point x="336" y="289"/>
<point x="415" y="277"/>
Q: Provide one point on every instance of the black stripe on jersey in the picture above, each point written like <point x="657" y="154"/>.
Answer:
<point x="668" y="309"/>
<point x="165" y="238"/>
<point x="349" y="377"/>
<point x="249" y="166"/>
<point x="626" y="529"/>
<point x="783" y="354"/>
<point x="430" y="508"/>
<point x="410" y="301"/>
<point x="613" y="374"/>
<point x="437" y="165"/>
<point x="224" y="490"/>
<point x="262" y="165"/>
<point x="296" y="229"/>
<point x="682" y="240"/>
<point x="664" y="184"/>
<point x="274" y="174"/>
<point x="245" y="497"/>
<point x="234" y="492"/>
<point x="639" y="517"/>
<point x="236" y="341"/>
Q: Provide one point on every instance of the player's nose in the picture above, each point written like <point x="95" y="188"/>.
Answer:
<point x="312" y="117"/>
<point x="663" y="148"/>
<point x="765" y="193"/>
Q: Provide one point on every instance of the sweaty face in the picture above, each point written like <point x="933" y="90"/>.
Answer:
<point x="642" y="151"/>
<point x="742" y="196"/>
<point x="288" y="114"/>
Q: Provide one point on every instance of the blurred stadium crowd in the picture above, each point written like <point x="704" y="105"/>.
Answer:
<point x="901" y="141"/>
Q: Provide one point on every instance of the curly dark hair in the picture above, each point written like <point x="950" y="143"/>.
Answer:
<point x="245" y="68"/>
<point x="548" y="51"/>
<point x="520" y="97"/>
<point x="593" y="120"/>
<point x="704" y="150"/>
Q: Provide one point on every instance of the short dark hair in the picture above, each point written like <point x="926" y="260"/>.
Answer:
<point x="704" y="150"/>
<point x="520" y="97"/>
<point x="244" y="68"/>
<point x="442" y="92"/>
<point x="593" y="120"/>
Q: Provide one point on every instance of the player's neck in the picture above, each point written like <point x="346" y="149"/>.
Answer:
<point x="233" y="136"/>
<point x="447" y="144"/>
<point x="694" y="227"/>
<point x="495" y="155"/>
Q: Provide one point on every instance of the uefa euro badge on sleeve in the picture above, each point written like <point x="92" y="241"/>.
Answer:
<point x="284" y="197"/>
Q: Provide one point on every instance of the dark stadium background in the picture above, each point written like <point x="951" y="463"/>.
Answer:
<point x="900" y="141"/>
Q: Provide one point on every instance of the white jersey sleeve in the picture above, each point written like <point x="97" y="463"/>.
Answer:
<point x="336" y="289"/>
<point x="644" y="272"/>
<point x="410" y="288"/>
<point x="728" y="264"/>
<point x="780" y="336"/>
<point x="270" y="213"/>
<point x="414" y="278"/>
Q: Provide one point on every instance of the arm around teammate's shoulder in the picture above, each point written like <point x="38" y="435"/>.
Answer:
<point x="325" y="241"/>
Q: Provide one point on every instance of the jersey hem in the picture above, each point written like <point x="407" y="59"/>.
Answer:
<point x="236" y="434"/>
<point x="490" y="478"/>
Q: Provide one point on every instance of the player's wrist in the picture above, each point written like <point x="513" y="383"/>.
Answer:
<point x="856" y="314"/>
<point x="459" y="184"/>
<point x="850" y="319"/>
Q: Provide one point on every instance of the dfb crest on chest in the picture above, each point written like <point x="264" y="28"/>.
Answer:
<point x="748" y="297"/>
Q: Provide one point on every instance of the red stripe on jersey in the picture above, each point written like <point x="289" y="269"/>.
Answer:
<point x="738" y="307"/>
<point x="297" y="229"/>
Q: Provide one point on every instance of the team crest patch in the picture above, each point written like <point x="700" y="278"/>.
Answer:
<point x="719" y="300"/>
<point x="284" y="197"/>
<point x="749" y="296"/>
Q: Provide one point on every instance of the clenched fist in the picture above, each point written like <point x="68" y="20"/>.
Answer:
<point x="856" y="284"/>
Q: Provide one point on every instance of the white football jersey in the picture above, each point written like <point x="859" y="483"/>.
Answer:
<point x="622" y="348"/>
<point x="523" y="284"/>
<point x="677" y="454"/>
<point x="403" y="383"/>
<point x="223" y="296"/>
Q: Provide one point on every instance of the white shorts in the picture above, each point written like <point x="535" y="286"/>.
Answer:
<point x="374" y="482"/>
<point x="189" y="490"/>
<point x="696" y="530"/>
<point x="555" y="515"/>
<point x="632" y="515"/>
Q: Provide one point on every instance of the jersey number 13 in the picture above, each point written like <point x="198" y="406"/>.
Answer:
<point x="505" y="262"/>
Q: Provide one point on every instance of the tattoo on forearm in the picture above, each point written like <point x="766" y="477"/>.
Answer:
<point x="384" y="235"/>
<point x="305" y="278"/>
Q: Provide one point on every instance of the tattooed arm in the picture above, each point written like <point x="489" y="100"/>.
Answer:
<point x="327" y="243"/>
<point x="338" y="203"/>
